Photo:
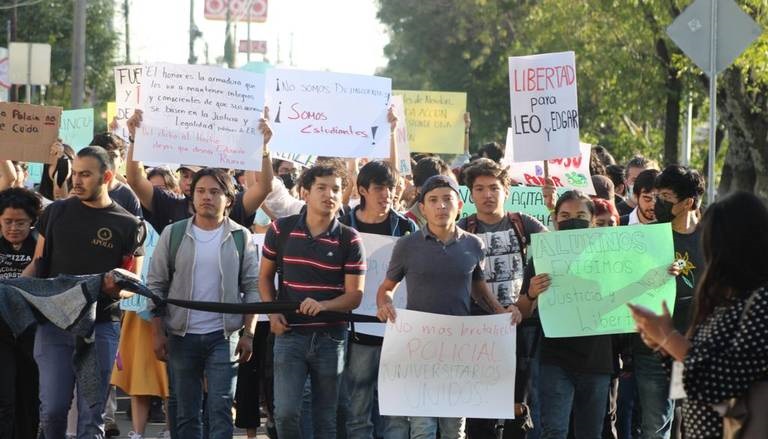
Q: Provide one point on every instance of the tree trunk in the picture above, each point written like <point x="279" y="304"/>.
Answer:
<point x="672" y="118"/>
<point x="746" y="162"/>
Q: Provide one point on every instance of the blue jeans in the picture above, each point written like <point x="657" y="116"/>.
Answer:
<point x="361" y="379"/>
<point x="426" y="428"/>
<point x="53" y="352"/>
<point x="562" y="391"/>
<point x="626" y="406"/>
<point x="527" y="337"/>
<point x="318" y="354"/>
<point x="656" y="409"/>
<point x="191" y="358"/>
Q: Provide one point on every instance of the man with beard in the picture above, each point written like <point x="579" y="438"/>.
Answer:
<point x="83" y="234"/>
<point x="643" y="192"/>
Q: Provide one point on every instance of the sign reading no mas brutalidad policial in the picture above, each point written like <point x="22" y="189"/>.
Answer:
<point x="595" y="272"/>
<point x="200" y="115"/>
<point x="448" y="366"/>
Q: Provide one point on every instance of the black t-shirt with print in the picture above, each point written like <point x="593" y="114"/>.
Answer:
<point x="12" y="261"/>
<point x="168" y="208"/>
<point x="86" y="240"/>
<point x="687" y="250"/>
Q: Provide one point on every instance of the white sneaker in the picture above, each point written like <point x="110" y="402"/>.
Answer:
<point x="166" y="434"/>
<point x="132" y="435"/>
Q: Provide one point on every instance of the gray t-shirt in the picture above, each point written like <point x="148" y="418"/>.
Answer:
<point x="439" y="275"/>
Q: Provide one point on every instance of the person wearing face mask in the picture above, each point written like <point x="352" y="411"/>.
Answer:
<point x="678" y="198"/>
<point x="575" y="371"/>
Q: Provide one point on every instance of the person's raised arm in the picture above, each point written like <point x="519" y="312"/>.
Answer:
<point x="260" y="183"/>
<point x="467" y="124"/>
<point x="394" y="160"/>
<point x="351" y="187"/>
<point x="8" y="175"/>
<point x="134" y="170"/>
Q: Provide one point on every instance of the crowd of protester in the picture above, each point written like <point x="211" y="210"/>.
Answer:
<point x="205" y="372"/>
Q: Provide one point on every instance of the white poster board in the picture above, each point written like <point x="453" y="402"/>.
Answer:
<point x="207" y="116"/>
<point x="328" y="114"/>
<point x="569" y="172"/>
<point x="448" y="366"/>
<point x="378" y="252"/>
<point x="401" y="137"/>
<point x="127" y="96"/>
<point x="544" y="107"/>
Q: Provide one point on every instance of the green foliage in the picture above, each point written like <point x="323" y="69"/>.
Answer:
<point x="51" y="22"/>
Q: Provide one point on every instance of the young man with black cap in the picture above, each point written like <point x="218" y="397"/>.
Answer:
<point x="444" y="268"/>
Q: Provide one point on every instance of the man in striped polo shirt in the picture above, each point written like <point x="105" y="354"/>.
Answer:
<point x="322" y="265"/>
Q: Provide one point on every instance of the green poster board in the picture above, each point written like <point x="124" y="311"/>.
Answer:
<point x="596" y="272"/>
<point x="526" y="199"/>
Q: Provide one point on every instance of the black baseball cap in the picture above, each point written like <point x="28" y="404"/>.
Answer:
<point x="438" y="181"/>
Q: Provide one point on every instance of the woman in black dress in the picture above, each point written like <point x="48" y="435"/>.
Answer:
<point x="726" y="350"/>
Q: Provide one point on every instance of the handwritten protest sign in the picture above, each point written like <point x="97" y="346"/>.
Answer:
<point x="207" y="115"/>
<point x="523" y="199"/>
<point x="448" y="366"/>
<point x="401" y="137"/>
<point x="136" y="302"/>
<point x="435" y="120"/>
<point x="35" y="174"/>
<point x="127" y="96"/>
<point x="27" y="131"/>
<point x="77" y="128"/>
<point x="328" y="114"/>
<point x="545" y="111"/>
<point x="378" y="251"/>
<point x="569" y="173"/>
<point x="596" y="272"/>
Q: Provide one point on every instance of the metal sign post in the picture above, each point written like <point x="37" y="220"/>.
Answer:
<point x="729" y="31"/>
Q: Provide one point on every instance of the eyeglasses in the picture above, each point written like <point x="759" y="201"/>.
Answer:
<point x="19" y="224"/>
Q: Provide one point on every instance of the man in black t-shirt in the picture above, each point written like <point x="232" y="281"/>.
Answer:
<point x="87" y="233"/>
<point x="167" y="208"/>
<point x="679" y="191"/>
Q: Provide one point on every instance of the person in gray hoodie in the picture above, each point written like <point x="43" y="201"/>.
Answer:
<point x="214" y="260"/>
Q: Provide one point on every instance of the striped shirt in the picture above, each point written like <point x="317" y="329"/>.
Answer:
<point x="314" y="266"/>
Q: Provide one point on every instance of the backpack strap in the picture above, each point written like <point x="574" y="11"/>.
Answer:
<point x="472" y="223"/>
<point x="522" y="237"/>
<point x="178" y="229"/>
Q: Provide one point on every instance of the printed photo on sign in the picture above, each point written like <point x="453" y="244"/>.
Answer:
<point x="544" y="107"/>
<point x="328" y="114"/>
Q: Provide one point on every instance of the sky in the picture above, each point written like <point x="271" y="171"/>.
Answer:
<point x="336" y="35"/>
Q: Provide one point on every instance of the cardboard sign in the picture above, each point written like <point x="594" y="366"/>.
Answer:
<point x="523" y="199"/>
<point x="127" y="96"/>
<point x="328" y="114"/>
<point x="544" y="104"/>
<point x="27" y="131"/>
<point x="448" y="366"/>
<point x="401" y="137"/>
<point x="595" y="272"/>
<point x="378" y="252"/>
<point x="209" y="116"/>
<point x="77" y="128"/>
<point x="569" y="173"/>
<point x="435" y="120"/>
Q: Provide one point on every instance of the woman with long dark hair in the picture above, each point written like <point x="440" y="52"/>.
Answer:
<point x="725" y="353"/>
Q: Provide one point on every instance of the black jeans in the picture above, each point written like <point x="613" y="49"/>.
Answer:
<point x="19" y="403"/>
